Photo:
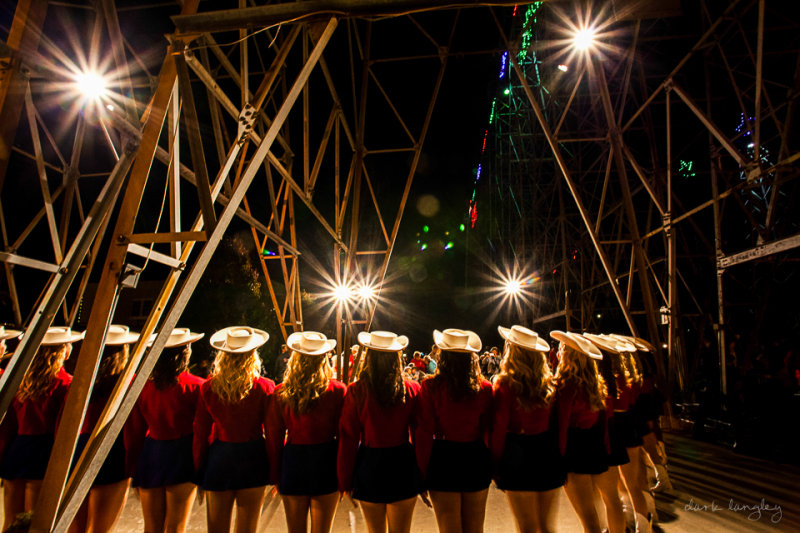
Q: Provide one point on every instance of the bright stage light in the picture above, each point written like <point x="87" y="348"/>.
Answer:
<point x="512" y="287"/>
<point x="342" y="293"/>
<point x="583" y="39"/>
<point x="366" y="292"/>
<point x="91" y="85"/>
<point x="563" y="68"/>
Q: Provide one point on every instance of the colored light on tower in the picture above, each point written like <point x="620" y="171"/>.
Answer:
<point x="426" y="229"/>
<point x="461" y="227"/>
<point x="448" y="245"/>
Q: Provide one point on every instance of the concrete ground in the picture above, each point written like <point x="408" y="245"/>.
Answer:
<point x="715" y="490"/>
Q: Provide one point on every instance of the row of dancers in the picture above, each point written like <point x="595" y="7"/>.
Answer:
<point x="382" y="441"/>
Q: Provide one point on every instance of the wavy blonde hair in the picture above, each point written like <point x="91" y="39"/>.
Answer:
<point x="631" y="365"/>
<point x="233" y="373"/>
<point x="44" y="367"/>
<point x="460" y="372"/>
<point x="528" y="375"/>
<point x="581" y="370"/>
<point x="307" y="378"/>
<point x="383" y="374"/>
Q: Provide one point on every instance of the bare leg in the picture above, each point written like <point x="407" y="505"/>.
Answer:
<point x="447" y="508"/>
<point x="179" y="499"/>
<point x="219" y="511"/>
<point x="105" y="505"/>
<point x="523" y="507"/>
<point x="32" y="487"/>
<point x="374" y="516"/>
<point x="580" y="491"/>
<point x="296" y="509"/>
<point x="607" y="483"/>
<point x="398" y="515"/>
<point x="13" y="500"/>
<point x="632" y="475"/>
<point x="323" y="509"/>
<point x="248" y="508"/>
<point x="154" y="509"/>
<point x="80" y="522"/>
<point x="473" y="510"/>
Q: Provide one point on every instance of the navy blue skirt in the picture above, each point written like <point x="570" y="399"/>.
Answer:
<point x="618" y="455"/>
<point x="531" y="463"/>
<point x="586" y="450"/>
<point x="164" y="462"/>
<point x="459" y="466"/>
<point x="26" y="457"/>
<point x="113" y="469"/>
<point x="386" y="475"/>
<point x="626" y="428"/>
<point x="309" y="469"/>
<point x="236" y="465"/>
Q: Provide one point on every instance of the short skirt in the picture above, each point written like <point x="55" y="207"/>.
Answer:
<point x="164" y="462"/>
<point x="113" y="469"/>
<point x="26" y="457"/>
<point x="309" y="469"/>
<point x="235" y="466"/>
<point x="586" y="450"/>
<point x="618" y="455"/>
<point x="459" y="466"/>
<point x="531" y="463"/>
<point x="386" y="475"/>
<point x="626" y="428"/>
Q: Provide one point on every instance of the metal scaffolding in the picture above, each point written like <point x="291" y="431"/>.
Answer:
<point x="297" y="120"/>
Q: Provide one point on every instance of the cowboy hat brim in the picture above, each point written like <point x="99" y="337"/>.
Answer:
<point x="578" y="342"/>
<point x="292" y="344"/>
<point x="399" y="343"/>
<point x="474" y="343"/>
<point x="540" y="345"/>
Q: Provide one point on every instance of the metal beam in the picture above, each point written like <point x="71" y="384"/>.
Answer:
<point x="727" y="261"/>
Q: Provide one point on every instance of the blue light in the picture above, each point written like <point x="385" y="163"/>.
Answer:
<point x="503" y="62"/>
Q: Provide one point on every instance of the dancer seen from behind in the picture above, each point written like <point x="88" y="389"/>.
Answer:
<point x="158" y="437"/>
<point x="583" y="432"/>
<point x="302" y="429"/>
<point x="455" y="407"/>
<point x="28" y="429"/>
<point x="103" y="505"/>
<point x="528" y="465"/>
<point x="232" y="407"/>
<point x="376" y="463"/>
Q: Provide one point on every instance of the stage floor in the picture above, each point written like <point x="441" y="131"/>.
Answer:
<point x="715" y="490"/>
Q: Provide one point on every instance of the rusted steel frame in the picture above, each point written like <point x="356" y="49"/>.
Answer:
<point x="174" y="166"/>
<point x="603" y="193"/>
<point x="192" y="125"/>
<point x="52" y="141"/>
<point x="569" y="102"/>
<point x="337" y="170"/>
<point x="287" y="177"/>
<point x="272" y="14"/>
<point x="70" y="177"/>
<point x="123" y="397"/>
<point x="700" y="44"/>
<point x="709" y="124"/>
<point x="748" y="213"/>
<point x="626" y="83"/>
<point x="296" y="309"/>
<point x="221" y="140"/>
<point x="735" y="87"/>
<point x="23" y="37"/>
<point x="323" y="145"/>
<point x="415" y="161"/>
<point x="87" y="271"/>
<point x="244" y="66"/>
<point x="631" y="270"/>
<point x="148" y="238"/>
<point x="645" y="182"/>
<point x="375" y="203"/>
<point x="616" y="147"/>
<point x="306" y="128"/>
<point x="672" y="258"/>
<point x="77" y="398"/>
<point x="48" y="202"/>
<point x="122" y="75"/>
<point x="391" y="106"/>
<point x="9" y="272"/>
<point x="268" y="81"/>
<point x="15" y="259"/>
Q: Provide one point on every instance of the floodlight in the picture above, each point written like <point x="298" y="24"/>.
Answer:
<point x="583" y="38"/>
<point x="342" y="293"/>
<point x="512" y="287"/>
<point x="91" y="85"/>
<point x="366" y="292"/>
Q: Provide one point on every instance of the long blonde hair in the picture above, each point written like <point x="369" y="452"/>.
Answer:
<point x="233" y="373"/>
<point x="632" y="367"/>
<point x="383" y="374"/>
<point x="44" y="367"/>
<point x="580" y="370"/>
<point x="528" y="375"/>
<point x="307" y="377"/>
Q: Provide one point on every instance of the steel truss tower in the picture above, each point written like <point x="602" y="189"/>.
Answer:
<point x="299" y="120"/>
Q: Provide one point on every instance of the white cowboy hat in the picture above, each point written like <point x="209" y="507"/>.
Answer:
<point x="522" y="336"/>
<point x="238" y="339"/>
<point x="578" y="342"/>
<point x="61" y="335"/>
<point x="6" y="334"/>
<point x="118" y="335"/>
<point x="609" y="343"/>
<point x="310" y="343"/>
<point x="383" y="341"/>
<point x="640" y="344"/>
<point x="457" y="340"/>
<point x="181" y="337"/>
